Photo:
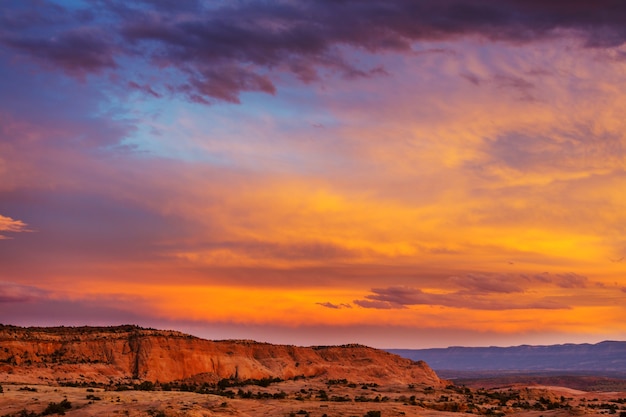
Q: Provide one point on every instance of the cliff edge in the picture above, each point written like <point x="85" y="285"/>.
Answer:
<point x="119" y="354"/>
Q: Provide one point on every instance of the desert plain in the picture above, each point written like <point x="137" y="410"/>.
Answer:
<point x="129" y="371"/>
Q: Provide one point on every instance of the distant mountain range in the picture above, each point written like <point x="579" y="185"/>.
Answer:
<point x="607" y="357"/>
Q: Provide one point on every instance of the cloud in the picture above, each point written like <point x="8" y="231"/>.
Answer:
<point x="266" y="252"/>
<point x="483" y="283"/>
<point x="561" y="280"/>
<point x="482" y="292"/>
<point x="8" y="224"/>
<point x="221" y="51"/>
<point x="379" y="305"/>
<point x="16" y="293"/>
<point x="571" y="280"/>
<point x="403" y="297"/>
<point x="55" y="312"/>
<point x="328" y="304"/>
<point x="145" y="88"/>
<point x="77" y="51"/>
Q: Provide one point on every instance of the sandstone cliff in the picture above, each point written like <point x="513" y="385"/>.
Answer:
<point x="115" y="354"/>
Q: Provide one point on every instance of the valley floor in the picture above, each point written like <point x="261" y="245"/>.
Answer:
<point x="313" y="397"/>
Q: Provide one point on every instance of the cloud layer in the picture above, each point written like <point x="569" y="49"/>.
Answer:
<point x="218" y="52"/>
<point x="386" y="163"/>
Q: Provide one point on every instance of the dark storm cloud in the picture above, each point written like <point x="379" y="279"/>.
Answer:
<point x="223" y="51"/>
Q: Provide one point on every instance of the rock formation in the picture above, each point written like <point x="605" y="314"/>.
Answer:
<point x="124" y="353"/>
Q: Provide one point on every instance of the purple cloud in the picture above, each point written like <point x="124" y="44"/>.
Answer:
<point x="334" y="306"/>
<point x="571" y="280"/>
<point x="475" y="283"/>
<point x="77" y="51"/>
<point x="15" y="293"/>
<point x="220" y="52"/>
<point x="402" y="297"/>
<point x="564" y="280"/>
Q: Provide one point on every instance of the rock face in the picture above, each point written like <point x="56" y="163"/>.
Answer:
<point x="116" y="354"/>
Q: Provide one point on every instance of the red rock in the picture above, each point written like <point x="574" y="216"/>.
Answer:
<point x="113" y="354"/>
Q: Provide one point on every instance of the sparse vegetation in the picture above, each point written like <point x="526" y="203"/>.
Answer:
<point x="311" y="395"/>
<point x="57" y="408"/>
<point x="145" y="386"/>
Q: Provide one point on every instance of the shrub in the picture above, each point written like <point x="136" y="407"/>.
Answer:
<point x="25" y="413"/>
<point x="372" y="413"/>
<point x="145" y="386"/>
<point x="57" y="408"/>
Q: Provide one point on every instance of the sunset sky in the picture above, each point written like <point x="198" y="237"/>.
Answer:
<point x="401" y="174"/>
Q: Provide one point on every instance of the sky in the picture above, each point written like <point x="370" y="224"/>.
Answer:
<point x="401" y="174"/>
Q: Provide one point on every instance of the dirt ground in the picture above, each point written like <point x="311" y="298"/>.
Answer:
<point x="304" y="398"/>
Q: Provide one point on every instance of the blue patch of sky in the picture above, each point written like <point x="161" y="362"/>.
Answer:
<point x="255" y="132"/>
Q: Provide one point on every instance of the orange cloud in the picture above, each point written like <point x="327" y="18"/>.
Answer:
<point x="10" y="225"/>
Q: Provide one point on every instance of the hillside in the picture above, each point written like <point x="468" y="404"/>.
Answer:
<point x="124" y="353"/>
<point x="607" y="357"/>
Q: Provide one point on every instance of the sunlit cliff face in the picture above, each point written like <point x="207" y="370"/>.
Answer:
<point x="391" y="173"/>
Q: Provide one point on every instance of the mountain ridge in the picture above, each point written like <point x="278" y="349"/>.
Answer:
<point x="605" y="356"/>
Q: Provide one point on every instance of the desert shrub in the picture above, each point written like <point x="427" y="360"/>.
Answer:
<point x="57" y="408"/>
<point x="282" y="395"/>
<point x="372" y="413"/>
<point x="339" y="399"/>
<point x="1" y="389"/>
<point x="24" y="413"/>
<point x="145" y="386"/>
